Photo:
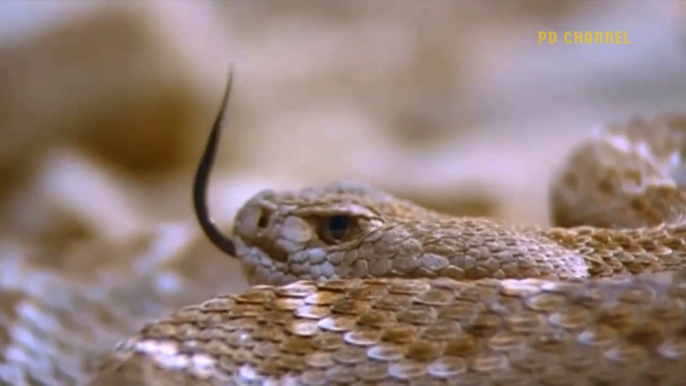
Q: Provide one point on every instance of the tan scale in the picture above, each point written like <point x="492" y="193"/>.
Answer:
<point x="397" y="294"/>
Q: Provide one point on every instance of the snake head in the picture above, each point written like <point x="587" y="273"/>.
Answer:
<point x="341" y="230"/>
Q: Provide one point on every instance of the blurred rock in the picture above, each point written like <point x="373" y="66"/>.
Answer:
<point x="441" y="102"/>
<point x="114" y="80"/>
<point x="71" y="197"/>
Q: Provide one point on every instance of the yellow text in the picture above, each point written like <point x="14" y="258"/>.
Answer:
<point x="585" y="37"/>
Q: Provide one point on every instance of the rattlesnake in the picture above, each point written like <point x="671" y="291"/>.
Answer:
<point x="355" y="286"/>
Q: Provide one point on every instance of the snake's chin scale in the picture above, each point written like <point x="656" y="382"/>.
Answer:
<point x="257" y="266"/>
<point x="307" y="264"/>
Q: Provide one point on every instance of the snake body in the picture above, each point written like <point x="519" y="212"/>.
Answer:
<point x="355" y="286"/>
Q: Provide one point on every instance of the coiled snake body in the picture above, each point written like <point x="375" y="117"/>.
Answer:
<point x="354" y="286"/>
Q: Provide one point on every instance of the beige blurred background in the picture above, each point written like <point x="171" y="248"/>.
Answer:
<point x="105" y="108"/>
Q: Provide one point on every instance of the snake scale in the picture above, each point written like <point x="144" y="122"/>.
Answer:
<point x="352" y="286"/>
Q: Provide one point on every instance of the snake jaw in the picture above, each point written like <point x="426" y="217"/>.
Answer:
<point x="257" y="266"/>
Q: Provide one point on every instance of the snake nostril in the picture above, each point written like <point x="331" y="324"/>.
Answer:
<point x="263" y="221"/>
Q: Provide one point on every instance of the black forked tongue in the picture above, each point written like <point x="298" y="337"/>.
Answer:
<point x="202" y="176"/>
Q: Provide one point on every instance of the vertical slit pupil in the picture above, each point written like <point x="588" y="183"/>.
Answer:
<point x="338" y="225"/>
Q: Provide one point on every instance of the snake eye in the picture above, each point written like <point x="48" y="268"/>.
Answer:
<point x="335" y="229"/>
